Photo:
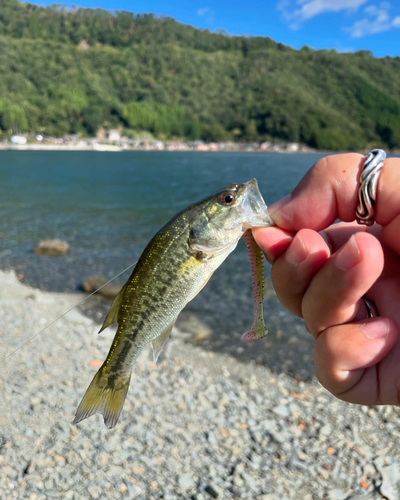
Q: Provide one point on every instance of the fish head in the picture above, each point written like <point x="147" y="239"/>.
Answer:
<point x="226" y="215"/>
<point x="253" y="209"/>
<point x="239" y="206"/>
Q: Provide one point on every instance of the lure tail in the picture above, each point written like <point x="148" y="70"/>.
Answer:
<point x="258" y="329"/>
<point x="106" y="395"/>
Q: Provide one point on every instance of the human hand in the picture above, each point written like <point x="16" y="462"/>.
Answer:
<point x="323" y="276"/>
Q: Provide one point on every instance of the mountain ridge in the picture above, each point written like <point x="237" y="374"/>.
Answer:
<point x="75" y="71"/>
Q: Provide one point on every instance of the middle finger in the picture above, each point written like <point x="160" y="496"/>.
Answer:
<point x="334" y="292"/>
<point x="293" y="271"/>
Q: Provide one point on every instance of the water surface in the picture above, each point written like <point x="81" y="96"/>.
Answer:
<point x="108" y="206"/>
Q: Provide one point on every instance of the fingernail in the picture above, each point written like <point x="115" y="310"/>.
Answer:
<point x="375" y="329"/>
<point x="279" y="204"/>
<point x="296" y="252"/>
<point x="349" y="255"/>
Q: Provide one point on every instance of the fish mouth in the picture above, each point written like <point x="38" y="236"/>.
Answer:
<point x="254" y="207"/>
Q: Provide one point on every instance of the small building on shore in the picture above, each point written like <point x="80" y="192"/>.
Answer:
<point x="18" y="139"/>
<point x="114" y="135"/>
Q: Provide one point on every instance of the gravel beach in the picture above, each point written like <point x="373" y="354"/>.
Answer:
<point x="201" y="424"/>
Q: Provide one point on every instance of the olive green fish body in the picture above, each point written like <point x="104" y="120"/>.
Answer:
<point x="168" y="275"/>
<point x="173" y="268"/>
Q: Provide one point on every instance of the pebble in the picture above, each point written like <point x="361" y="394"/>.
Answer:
<point x="188" y="429"/>
<point x="390" y="481"/>
<point x="337" y="494"/>
<point x="326" y="430"/>
<point x="281" y="411"/>
<point x="186" y="481"/>
<point x="213" y="491"/>
<point x="212" y="439"/>
<point x="256" y="458"/>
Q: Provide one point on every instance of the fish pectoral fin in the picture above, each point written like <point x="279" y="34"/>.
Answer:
<point x="205" y="243"/>
<point x="112" y="316"/>
<point x="158" y="343"/>
<point x="205" y="252"/>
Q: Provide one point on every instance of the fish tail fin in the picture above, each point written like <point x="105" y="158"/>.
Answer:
<point x="106" y="395"/>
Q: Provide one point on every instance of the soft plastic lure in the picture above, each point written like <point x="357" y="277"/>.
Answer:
<point x="258" y="329"/>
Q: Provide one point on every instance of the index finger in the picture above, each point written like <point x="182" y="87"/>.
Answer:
<point x="329" y="191"/>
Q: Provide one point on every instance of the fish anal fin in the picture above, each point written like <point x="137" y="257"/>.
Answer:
<point x="101" y="397"/>
<point x="158" y="343"/>
<point x="112" y="316"/>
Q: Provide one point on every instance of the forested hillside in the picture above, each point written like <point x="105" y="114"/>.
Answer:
<point x="74" y="71"/>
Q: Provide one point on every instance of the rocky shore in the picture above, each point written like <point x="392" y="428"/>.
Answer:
<point x="118" y="143"/>
<point x="198" y="425"/>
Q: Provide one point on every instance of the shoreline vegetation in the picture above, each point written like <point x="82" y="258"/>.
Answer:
<point x="72" y="70"/>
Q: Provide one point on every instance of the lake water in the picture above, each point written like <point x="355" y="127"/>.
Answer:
<point x="108" y="206"/>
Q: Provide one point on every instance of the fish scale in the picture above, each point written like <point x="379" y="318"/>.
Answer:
<point x="173" y="268"/>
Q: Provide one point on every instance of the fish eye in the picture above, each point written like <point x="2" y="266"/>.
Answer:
<point x="227" y="198"/>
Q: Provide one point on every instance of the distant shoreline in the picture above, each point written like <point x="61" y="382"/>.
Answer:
<point x="110" y="148"/>
<point x="117" y="143"/>
<point x="104" y="148"/>
<point x="58" y="147"/>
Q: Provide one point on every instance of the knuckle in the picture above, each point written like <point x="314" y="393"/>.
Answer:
<point x="334" y="164"/>
<point x="320" y="167"/>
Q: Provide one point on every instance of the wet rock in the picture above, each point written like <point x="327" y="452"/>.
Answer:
<point x="52" y="248"/>
<point x="109" y="291"/>
<point x="193" y="325"/>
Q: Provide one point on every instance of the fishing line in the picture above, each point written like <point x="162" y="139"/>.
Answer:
<point x="66" y="312"/>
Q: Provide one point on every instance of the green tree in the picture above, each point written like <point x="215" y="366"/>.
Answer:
<point x="154" y="74"/>
<point x="12" y="117"/>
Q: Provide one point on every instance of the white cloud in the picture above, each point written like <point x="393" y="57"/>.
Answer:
<point x="203" y="11"/>
<point x="303" y="10"/>
<point x="207" y="14"/>
<point x="377" y="20"/>
<point x="311" y="8"/>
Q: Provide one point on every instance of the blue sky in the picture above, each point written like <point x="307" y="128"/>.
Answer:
<point x="344" y="25"/>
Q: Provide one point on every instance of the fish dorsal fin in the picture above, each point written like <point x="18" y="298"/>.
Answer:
<point x="112" y="316"/>
<point x="158" y="343"/>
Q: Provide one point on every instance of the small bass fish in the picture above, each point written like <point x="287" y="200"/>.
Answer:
<point x="172" y="270"/>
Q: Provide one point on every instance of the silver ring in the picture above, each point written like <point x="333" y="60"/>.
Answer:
<point x="368" y="183"/>
<point x="372" y="310"/>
